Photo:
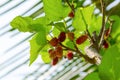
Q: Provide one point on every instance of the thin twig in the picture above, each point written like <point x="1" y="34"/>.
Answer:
<point x="80" y="54"/>
<point x="102" y="31"/>
<point x="75" y="46"/>
<point x="96" y="41"/>
<point x="67" y="48"/>
<point x="110" y="28"/>
<point x="72" y="8"/>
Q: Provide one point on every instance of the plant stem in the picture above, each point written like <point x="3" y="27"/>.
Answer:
<point x="72" y="8"/>
<point x="75" y="45"/>
<point x="102" y="31"/>
<point x="67" y="47"/>
<point x="110" y="28"/>
<point x="80" y="54"/>
<point x="77" y="51"/>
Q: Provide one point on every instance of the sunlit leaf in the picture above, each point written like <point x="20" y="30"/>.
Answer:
<point x="116" y="25"/>
<point x="69" y="44"/>
<point x="78" y="22"/>
<point x="96" y="24"/>
<point x="60" y="26"/>
<point x="109" y="67"/>
<point x="38" y="23"/>
<point x="36" y="44"/>
<point x="45" y="55"/>
<point x="55" y="31"/>
<point x="54" y="10"/>
<point x="27" y="24"/>
<point x="21" y="23"/>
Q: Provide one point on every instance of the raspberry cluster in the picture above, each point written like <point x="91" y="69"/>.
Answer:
<point x="56" y="52"/>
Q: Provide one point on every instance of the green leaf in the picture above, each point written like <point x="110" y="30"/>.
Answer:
<point x="36" y="44"/>
<point x="78" y="22"/>
<point x="115" y="33"/>
<point x="55" y="32"/>
<point x="27" y="24"/>
<point x="80" y="3"/>
<point x="38" y="23"/>
<point x="36" y="27"/>
<point x="45" y="55"/>
<point x="109" y="67"/>
<point x="69" y="43"/>
<point x="54" y="10"/>
<point x="88" y="13"/>
<point x="96" y="24"/>
<point x="60" y="26"/>
<point x="41" y="37"/>
<point x="116" y="26"/>
<point x="41" y="20"/>
<point x="92" y="76"/>
<point x="21" y="23"/>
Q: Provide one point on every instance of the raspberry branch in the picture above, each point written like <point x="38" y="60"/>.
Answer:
<point x="102" y="31"/>
<point x="93" y="61"/>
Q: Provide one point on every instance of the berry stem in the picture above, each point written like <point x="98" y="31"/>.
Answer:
<point x="103" y="18"/>
<point x="67" y="48"/>
<point x="80" y="54"/>
<point x="75" y="46"/>
<point x="72" y="8"/>
<point x="111" y="24"/>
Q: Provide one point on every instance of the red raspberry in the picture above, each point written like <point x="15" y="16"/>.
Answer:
<point x="107" y="33"/>
<point x="81" y="39"/>
<point x="70" y="55"/>
<point x="50" y="50"/>
<point x="54" y="61"/>
<point x="52" y="53"/>
<point x="53" y="41"/>
<point x="59" y="51"/>
<point x="61" y="37"/>
<point x="71" y="14"/>
<point x="70" y="35"/>
<point x="105" y="44"/>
